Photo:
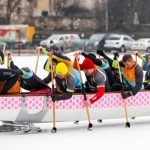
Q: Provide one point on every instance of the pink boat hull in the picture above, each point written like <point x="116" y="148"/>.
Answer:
<point x="39" y="108"/>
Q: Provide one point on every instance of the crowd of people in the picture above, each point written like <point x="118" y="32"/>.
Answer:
<point x="102" y="73"/>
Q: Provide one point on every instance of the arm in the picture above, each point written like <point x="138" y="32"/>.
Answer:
<point x="138" y="84"/>
<point x="100" y="81"/>
<point x="142" y="57"/>
<point x="98" y="95"/>
<point x="44" y="51"/>
<point x="94" y="59"/>
<point x="70" y="90"/>
<point x="47" y="65"/>
<point x="14" y="67"/>
<point x="61" y="58"/>
<point x="138" y="80"/>
<point x="75" y="64"/>
<point x="47" y="79"/>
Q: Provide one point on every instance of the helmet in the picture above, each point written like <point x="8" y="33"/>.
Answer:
<point x="61" y="69"/>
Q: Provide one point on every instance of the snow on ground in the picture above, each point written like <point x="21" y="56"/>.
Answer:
<point x="111" y="134"/>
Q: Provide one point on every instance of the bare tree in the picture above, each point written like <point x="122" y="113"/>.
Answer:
<point x="10" y="6"/>
<point x="100" y="10"/>
<point x="61" y="4"/>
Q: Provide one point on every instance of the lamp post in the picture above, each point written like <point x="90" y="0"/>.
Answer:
<point x="106" y="16"/>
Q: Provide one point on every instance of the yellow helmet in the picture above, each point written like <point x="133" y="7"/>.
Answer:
<point x="61" y="69"/>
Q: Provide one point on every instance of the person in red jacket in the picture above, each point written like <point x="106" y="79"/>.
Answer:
<point x="95" y="78"/>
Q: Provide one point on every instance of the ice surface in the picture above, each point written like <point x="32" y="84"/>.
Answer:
<point x="109" y="135"/>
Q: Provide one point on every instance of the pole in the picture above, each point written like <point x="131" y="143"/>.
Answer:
<point x="54" y="129"/>
<point x="83" y="89"/>
<point x="125" y="103"/>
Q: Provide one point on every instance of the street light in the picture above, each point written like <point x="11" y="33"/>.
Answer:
<point x="106" y="16"/>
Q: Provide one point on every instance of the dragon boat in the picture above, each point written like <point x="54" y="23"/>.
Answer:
<point x="19" y="112"/>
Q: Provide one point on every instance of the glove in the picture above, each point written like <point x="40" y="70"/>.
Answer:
<point x="100" y="52"/>
<point x="126" y="94"/>
<point x="116" y="55"/>
<point x="54" y="97"/>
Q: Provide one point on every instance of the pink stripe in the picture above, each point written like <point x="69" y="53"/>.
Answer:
<point x="76" y="102"/>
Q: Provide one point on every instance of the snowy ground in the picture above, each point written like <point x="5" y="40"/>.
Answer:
<point x="111" y="134"/>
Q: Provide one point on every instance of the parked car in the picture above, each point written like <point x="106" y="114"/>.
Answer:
<point x="79" y="45"/>
<point x="1" y="45"/>
<point x="11" y="44"/>
<point x="37" y="37"/>
<point x="118" y="42"/>
<point x="142" y="44"/>
<point x="96" y="41"/>
<point x="63" y="41"/>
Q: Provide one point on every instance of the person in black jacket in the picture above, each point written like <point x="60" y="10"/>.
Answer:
<point x="8" y="76"/>
<point x="113" y="63"/>
<point x="28" y="79"/>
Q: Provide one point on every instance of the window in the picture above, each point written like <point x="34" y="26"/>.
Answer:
<point x="66" y="38"/>
<point x="113" y="38"/>
<point x="62" y="38"/>
<point x="127" y="39"/>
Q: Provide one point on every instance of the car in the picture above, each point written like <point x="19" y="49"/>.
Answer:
<point x="79" y="45"/>
<point x="96" y="41"/>
<point x="63" y="41"/>
<point x="142" y="44"/>
<point x="2" y="45"/>
<point x="11" y="44"/>
<point x="119" y="42"/>
<point x="37" y="37"/>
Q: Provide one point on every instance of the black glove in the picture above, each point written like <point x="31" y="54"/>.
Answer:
<point x="126" y="94"/>
<point x="116" y="55"/>
<point x="54" y="97"/>
<point x="100" y="52"/>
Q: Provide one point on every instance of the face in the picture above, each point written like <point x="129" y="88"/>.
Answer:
<point x="88" y="72"/>
<point x="149" y="59"/>
<point x="61" y="76"/>
<point x="129" y="64"/>
<point x="54" y="63"/>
